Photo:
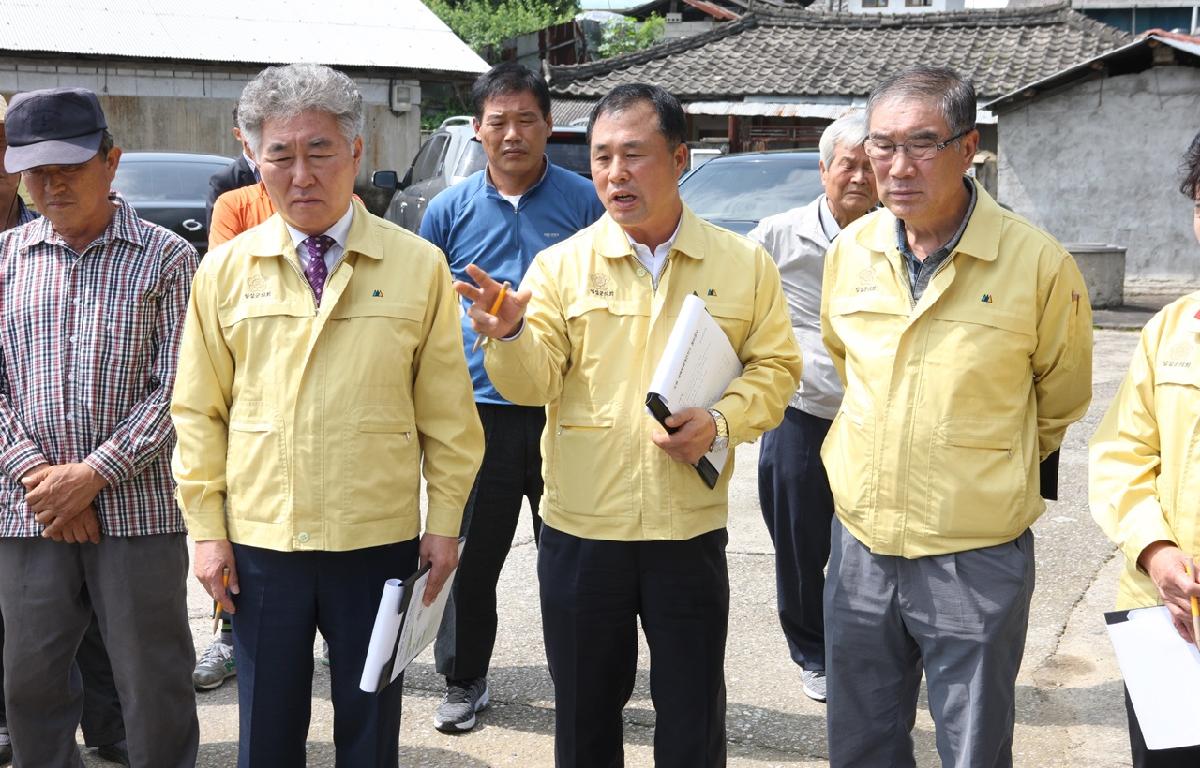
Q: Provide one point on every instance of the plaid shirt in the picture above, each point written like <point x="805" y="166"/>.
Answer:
<point x="87" y="360"/>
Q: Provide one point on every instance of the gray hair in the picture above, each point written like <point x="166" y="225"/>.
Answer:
<point x="849" y="130"/>
<point x="284" y="92"/>
<point x="953" y="94"/>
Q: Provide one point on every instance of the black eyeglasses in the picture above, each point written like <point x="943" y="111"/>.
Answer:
<point x="916" y="149"/>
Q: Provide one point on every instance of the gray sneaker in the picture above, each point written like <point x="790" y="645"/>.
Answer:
<point x="215" y="665"/>
<point x="456" y="713"/>
<point x="813" y="682"/>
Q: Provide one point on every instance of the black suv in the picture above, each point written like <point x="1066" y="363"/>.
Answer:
<point x="451" y="154"/>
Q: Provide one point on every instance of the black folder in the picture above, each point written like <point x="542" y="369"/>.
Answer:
<point x="658" y="409"/>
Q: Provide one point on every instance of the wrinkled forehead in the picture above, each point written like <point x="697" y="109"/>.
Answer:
<point x="906" y="115"/>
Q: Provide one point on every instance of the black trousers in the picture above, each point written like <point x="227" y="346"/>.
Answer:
<point x="101" y="721"/>
<point x="797" y="506"/>
<point x="285" y="597"/>
<point x="1182" y="757"/>
<point x="511" y="471"/>
<point x="593" y="593"/>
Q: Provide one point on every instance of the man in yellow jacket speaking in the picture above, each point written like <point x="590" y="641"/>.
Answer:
<point x="320" y="372"/>
<point x="629" y="529"/>
<point x="963" y="336"/>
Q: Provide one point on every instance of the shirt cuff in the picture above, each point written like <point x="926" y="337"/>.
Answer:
<point x="515" y="334"/>
<point x="21" y="458"/>
<point x="443" y="521"/>
<point x="112" y="467"/>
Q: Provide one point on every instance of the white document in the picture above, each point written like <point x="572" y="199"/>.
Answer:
<point x="1161" y="671"/>
<point x="404" y="626"/>
<point x="382" y="648"/>
<point x="697" y="365"/>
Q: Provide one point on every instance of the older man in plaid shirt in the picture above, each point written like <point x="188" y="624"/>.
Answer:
<point x="92" y="301"/>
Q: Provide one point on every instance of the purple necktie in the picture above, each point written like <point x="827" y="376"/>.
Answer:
<point x="315" y="270"/>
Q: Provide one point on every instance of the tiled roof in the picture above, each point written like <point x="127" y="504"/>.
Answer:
<point x="813" y="53"/>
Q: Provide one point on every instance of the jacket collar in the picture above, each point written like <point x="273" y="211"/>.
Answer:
<point x="981" y="239"/>
<point x="612" y="243"/>
<point x="273" y="239"/>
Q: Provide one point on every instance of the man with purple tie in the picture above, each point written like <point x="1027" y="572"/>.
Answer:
<point x="320" y="373"/>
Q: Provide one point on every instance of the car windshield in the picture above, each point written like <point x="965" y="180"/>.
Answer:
<point x="751" y="189"/>
<point x="572" y="156"/>
<point x="161" y="180"/>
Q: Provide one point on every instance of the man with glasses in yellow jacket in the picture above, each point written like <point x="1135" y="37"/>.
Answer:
<point x="963" y="336"/>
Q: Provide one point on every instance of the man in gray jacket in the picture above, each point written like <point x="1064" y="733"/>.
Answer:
<point x="792" y="487"/>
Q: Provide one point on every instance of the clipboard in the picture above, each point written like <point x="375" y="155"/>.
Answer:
<point x="658" y="409"/>
<point x="1161" y="670"/>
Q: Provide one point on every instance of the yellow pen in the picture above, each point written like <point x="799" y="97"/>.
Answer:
<point x="1187" y="566"/>
<point x="217" y="605"/>
<point x="495" y="308"/>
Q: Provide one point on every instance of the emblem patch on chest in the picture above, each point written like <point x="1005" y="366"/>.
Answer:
<point x="598" y="285"/>
<point x="257" y="287"/>
<point x="1178" y="354"/>
<point x="867" y="281"/>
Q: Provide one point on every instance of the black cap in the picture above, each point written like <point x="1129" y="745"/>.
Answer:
<point x="56" y="126"/>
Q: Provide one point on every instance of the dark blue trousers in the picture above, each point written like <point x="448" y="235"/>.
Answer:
<point x="285" y="598"/>
<point x="593" y="594"/>
<point x="797" y="506"/>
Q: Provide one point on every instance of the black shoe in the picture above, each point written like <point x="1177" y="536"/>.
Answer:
<point x="5" y="755"/>
<point x="114" y="753"/>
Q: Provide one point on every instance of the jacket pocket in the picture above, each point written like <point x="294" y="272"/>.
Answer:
<point x="848" y="454"/>
<point x="978" y="475"/>
<point x="256" y="474"/>
<point x="381" y="470"/>
<point x="590" y="472"/>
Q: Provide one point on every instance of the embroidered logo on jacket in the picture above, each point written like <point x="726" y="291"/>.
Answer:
<point x="986" y="298"/>
<point x="256" y="287"/>
<point x="598" y="285"/>
<point x="376" y="294"/>
<point x="867" y="281"/>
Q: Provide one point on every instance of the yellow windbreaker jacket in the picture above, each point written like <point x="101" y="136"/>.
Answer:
<point x="302" y="429"/>
<point x="951" y="402"/>
<point x="1144" y="483"/>
<point x="594" y="332"/>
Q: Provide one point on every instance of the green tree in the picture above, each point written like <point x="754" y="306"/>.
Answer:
<point x="628" y="35"/>
<point x="483" y="23"/>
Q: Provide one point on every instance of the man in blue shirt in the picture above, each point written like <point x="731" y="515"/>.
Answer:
<point x="498" y="219"/>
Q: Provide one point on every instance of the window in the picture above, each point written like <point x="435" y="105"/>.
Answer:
<point x="918" y="3"/>
<point x="426" y="162"/>
<point x="874" y="3"/>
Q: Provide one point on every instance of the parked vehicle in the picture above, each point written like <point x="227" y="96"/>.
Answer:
<point x="736" y="191"/>
<point x="170" y="189"/>
<point x="451" y="154"/>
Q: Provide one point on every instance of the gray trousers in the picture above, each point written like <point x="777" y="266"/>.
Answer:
<point x="961" y="618"/>
<point x="137" y="587"/>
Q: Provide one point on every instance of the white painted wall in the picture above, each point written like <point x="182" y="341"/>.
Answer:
<point x="1098" y="162"/>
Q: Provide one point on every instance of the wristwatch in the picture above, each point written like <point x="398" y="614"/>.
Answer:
<point x="721" y="441"/>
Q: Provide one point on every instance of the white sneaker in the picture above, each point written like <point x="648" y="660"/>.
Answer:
<point x="215" y="665"/>
<point x="813" y="682"/>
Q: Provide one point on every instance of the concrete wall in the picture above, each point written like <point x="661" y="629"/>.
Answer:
<point x="1098" y="163"/>
<point x="189" y="109"/>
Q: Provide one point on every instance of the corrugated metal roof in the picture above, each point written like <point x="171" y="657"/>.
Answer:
<point x="401" y="34"/>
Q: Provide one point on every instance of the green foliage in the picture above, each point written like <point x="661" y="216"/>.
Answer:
<point x="483" y="23"/>
<point x="627" y="35"/>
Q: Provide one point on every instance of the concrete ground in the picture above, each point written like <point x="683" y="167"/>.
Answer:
<point x="1070" y="709"/>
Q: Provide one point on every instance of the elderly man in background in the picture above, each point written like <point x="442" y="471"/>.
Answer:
<point x="321" y="371"/>
<point x="793" y="488"/>
<point x="963" y="335"/>
<point x="92" y="301"/>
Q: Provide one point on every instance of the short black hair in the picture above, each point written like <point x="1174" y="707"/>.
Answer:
<point x="672" y="123"/>
<point x="509" y="77"/>
<point x="1190" y="167"/>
